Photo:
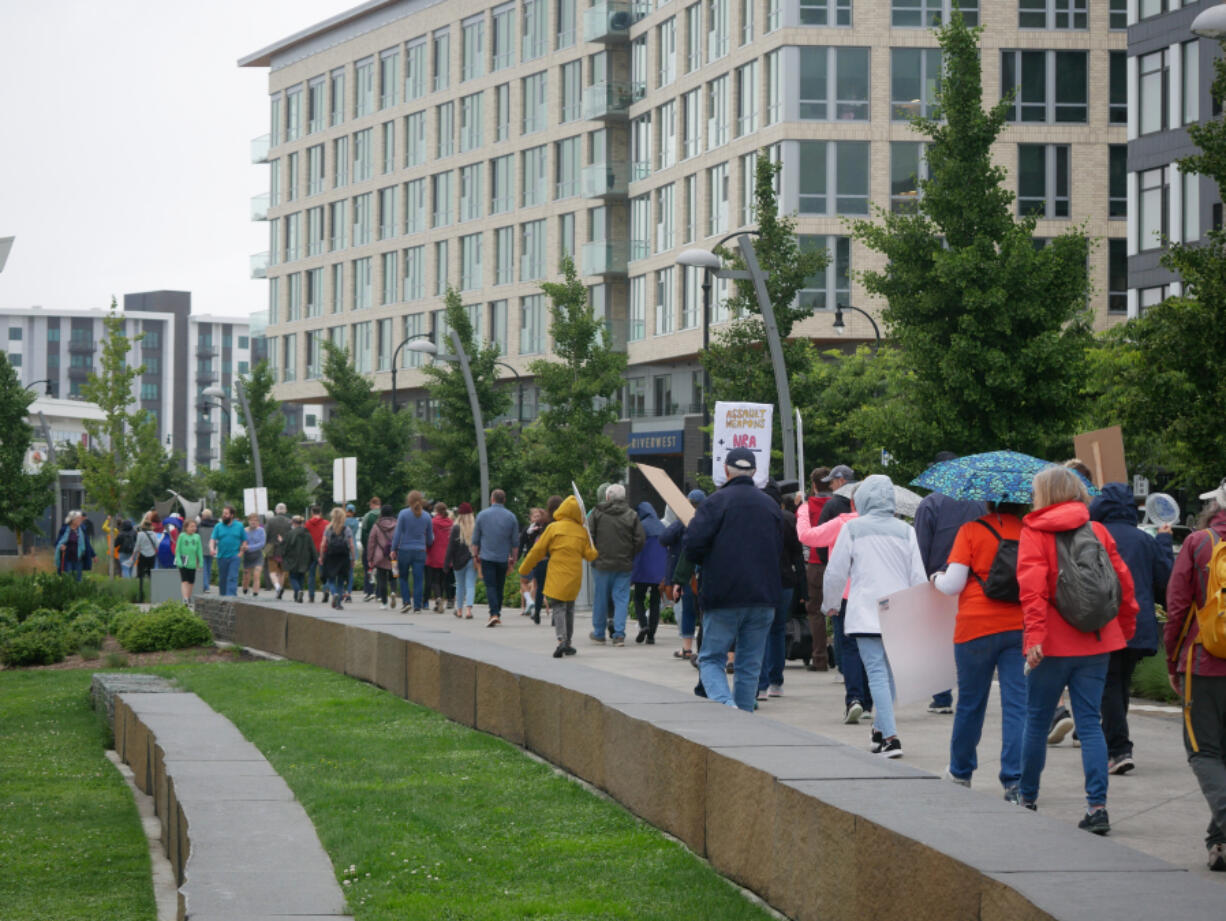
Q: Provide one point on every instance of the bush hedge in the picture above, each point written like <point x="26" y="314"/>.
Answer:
<point x="170" y="625"/>
<point x="27" y="593"/>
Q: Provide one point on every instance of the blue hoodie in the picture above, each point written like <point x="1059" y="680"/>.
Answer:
<point x="1149" y="559"/>
<point x="651" y="564"/>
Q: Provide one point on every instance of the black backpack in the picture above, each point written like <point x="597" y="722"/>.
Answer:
<point x="126" y="542"/>
<point x="338" y="544"/>
<point x="1087" y="588"/>
<point x="1001" y="584"/>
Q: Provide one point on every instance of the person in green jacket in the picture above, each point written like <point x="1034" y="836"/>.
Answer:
<point x="189" y="556"/>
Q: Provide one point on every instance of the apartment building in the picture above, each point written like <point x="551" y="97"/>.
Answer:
<point x="1170" y="71"/>
<point x="417" y="144"/>
<point x="182" y="354"/>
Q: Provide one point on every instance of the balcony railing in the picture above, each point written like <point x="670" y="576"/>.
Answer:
<point x="604" y="258"/>
<point x="260" y="147"/>
<point x="259" y="265"/>
<point x="81" y="346"/>
<point x="605" y="180"/>
<point x="259" y="207"/>
<point x="608" y="21"/>
<point x="206" y="350"/>
<point x="606" y="100"/>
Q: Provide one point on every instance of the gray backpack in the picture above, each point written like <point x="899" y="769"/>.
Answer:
<point x="1087" y="588"/>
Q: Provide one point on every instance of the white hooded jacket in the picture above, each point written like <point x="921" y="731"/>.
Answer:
<point x="877" y="552"/>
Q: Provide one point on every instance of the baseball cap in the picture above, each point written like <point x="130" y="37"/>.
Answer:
<point x="695" y="496"/>
<point x="840" y="472"/>
<point x="1218" y="495"/>
<point x="349" y="507"/>
<point x="464" y="509"/>
<point x="741" y="459"/>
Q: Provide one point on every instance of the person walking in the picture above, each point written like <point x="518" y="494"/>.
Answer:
<point x="354" y="524"/>
<point x="207" y="522"/>
<point x="144" y="555"/>
<point x="125" y="543"/>
<point x="1198" y="674"/>
<point x="673" y="540"/>
<point x="541" y="572"/>
<point x="413" y="536"/>
<point x="253" y="555"/>
<point x="618" y="537"/>
<point x="300" y="555"/>
<point x="815" y="569"/>
<point x="228" y="542"/>
<point x="459" y="560"/>
<point x="1059" y="563"/>
<point x="649" y="570"/>
<point x="528" y="587"/>
<point x="372" y="515"/>
<point x="982" y="572"/>
<point x="316" y="524"/>
<point x="566" y="543"/>
<point x="189" y="558"/>
<point x="378" y="561"/>
<point x="276" y="530"/>
<point x="70" y="549"/>
<point x="494" y="540"/>
<point x="791" y="574"/>
<point x="436" y="556"/>
<point x="736" y="536"/>
<point x="878" y="554"/>
<point x="1149" y="559"/>
<point x="336" y="553"/>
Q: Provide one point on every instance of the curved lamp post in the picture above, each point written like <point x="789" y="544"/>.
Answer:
<point x="1211" y="23"/>
<point x="840" y="327"/>
<point x="425" y="346"/>
<point x="224" y="403"/>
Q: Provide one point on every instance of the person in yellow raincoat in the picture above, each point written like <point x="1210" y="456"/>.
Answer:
<point x="567" y="544"/>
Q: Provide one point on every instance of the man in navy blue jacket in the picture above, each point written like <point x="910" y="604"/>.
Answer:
<point x="1149" y="559"/>
<point x="736" y="536"/>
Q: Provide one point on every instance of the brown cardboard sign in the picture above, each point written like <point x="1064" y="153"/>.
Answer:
<point x="673" y="497"/>
<point x="1103" y="452"/>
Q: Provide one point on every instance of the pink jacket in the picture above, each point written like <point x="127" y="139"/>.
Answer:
<point x="823" y="535"/>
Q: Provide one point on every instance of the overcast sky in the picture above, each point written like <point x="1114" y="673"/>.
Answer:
<point x="124" y="151"/>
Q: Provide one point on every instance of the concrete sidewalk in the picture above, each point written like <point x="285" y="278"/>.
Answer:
<point x="1157" y="809"/>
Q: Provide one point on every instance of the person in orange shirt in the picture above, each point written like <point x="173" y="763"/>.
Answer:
<point x="987" y="641"/>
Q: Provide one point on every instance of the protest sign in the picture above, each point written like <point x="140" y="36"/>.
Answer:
<point x="917" y="628"/>
<point x="742" y="425"/>
<point x="1103" y="452"/>
<point x="344" y="480"/>
<point x="255" y="501"/>
<point x="673" y="497"/>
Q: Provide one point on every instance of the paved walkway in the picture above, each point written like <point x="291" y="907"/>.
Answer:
<point x="1157" y="809"/>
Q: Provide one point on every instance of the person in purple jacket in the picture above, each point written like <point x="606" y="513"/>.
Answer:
<point x="649" y="570"/>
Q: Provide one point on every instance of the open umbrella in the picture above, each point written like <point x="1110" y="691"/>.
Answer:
<point x="905" y="501"/>
<point x="997" y="476"/>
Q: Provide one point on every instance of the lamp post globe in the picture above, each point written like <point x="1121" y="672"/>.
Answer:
<point x="1211" y="23"/>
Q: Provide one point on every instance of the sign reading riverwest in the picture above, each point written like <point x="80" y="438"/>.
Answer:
<point x="656" y="442"/>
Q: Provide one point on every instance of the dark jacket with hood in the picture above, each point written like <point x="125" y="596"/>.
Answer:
<point x="1149" y="559"/>
<point x="651" y="563"/>
<point x="737" y="537"/>
<point x="299" y="551"/>
<point x="937" y="522"/>
<point x="617" y="535"/>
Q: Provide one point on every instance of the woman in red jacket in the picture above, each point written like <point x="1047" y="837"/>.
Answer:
<point x="1058" y="654"/>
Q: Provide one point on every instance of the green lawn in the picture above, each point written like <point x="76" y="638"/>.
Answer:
<point x="436" y="820"/>
<point x="71" y="843"/>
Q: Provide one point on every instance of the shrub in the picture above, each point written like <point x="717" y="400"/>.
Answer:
<point x="510" y="591"/>
<point x="41" y="639"/>
<point x="88" y="629"/>
<point x="170" y="625"/>
<point x="27" y="592"/>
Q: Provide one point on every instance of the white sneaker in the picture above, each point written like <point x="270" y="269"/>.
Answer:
<point x="383" y="606"/>
<point x="952" y="779"/>
<point x="775" y="690"/>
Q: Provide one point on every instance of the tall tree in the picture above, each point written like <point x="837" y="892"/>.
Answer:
<point x="447" y="467"/>
<point x="1156" y="374"/>
<point x="285" y="472"/>
<point x="361" y="425"/>
<point x="24" y="496"/>
<point x="105" y="468"/>
<point x="154" y="470"/>
<point x="567" y="441"/>
<point x="994" y="328"/>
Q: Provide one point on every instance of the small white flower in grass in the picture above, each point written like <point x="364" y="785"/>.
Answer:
<point x="345" y="882"/>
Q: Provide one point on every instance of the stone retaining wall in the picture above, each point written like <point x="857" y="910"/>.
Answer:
<point x="821" y="831"/>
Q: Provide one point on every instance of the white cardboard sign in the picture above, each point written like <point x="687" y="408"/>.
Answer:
<point x="345" y="480"/>
<point x="255" y="501"/>
<point x="742" y="425"/>
<point x="917" y="628"/>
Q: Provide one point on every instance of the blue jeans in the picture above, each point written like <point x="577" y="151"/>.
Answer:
<point x="880" y="680"/>
<point x="465" y="585"/>
<point x="296" y="581"/>
<point x="776" y="644"/>
<point x="204" y="576"/>
<point x="73" y="568"/>
<point x="312" y="570"/>
<point x="606" y="582"/>
<point x="721" y="627"/>
<point x="494" y="574"/>
<point x="689" y="606"/>
<point x="227" y="574"/>
<point x="126" y="569"/>
<point x="336" y="585"/>
<point x="977" y="660"/>
<point x="847" y="654"/>
<point x="412" y="561"/>
<point x="1085" y="677"/>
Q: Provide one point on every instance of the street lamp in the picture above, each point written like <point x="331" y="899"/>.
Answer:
<point x="43" y="381"/>
<point x="1211" y="23"/>
<point x="709" y="263"/>
<point x="223" y="402"/>
<point x="427" y="347"/>
<point x="840" y="328"/>
<point x="754" y="273"/>
<point x="519" y="392"/>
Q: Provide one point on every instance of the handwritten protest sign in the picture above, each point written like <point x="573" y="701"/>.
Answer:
<point x="742" y="425"/>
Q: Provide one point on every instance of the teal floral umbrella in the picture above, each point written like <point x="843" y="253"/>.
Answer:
<point x="997" y="476"/>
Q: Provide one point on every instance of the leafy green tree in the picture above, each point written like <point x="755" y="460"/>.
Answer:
<point x="1156" y="374"/>
<point x="23" y="496"/>
<point x="567" y="441"/>
<point x="447" y="467"/>
<point x="285" y="472"/>
<point x="361" y="425"/>
<point x="155" y="471"/>
<point x="994" y="329"/>
<point x="105" y="468"/>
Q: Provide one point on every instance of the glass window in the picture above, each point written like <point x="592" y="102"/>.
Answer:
<point x="415" y="69"/>
<point x="315" y="169"/>
<point x="387" y="212"/>
<point x="774" y="88"/>
<point x="1117" y="196"/>
<point x="362" y="347"/>
<point x="293" y="113"/>
<point x="363" y="218"/>
<point x="535" y="113"/>
<point x="389" y="147"/>
<point x="638" y="68"/>
<point x="1043" y="180"/>
<point x="747" y="99"/>
<point x="666" y="46"/>
<point x="1118" y="105"/>
<point x="915" y="77"/>
<point x="717" y="113"/>
<point x="1191" y="82"/>
<point x="717" y="199"/>
<point x="1190" y="188"/>
<point x="640" y="147"/>
<point x="691" y="105"/>
<point x="442" y="59"/>
<point x="1053" y="14"/>
<point x="415" y="139"/>
<point x="338" y="287"/>
<point x="504" y="255"/>
<point x="293" y="177"/>
<point x="535" y="183"/>
<point x="749" y="198"/>
<point x="389" y="78"/>
<point x="717" y="29"/>
<point x="361" y="283"/>
<point x="566" y="24"/>
<point x="415" y="206"/>
<point x="444" y="123"/>
<point x="825" y="12"/>
<point x="1153" y="75"/>
<point x="339" y="225"/>
<point x="841" y="167"/>
<point x="1049" y="86"/>
<point x="502" y="184"/>
<point x="690" y="225"/>
<point x="363" y="154"/>
<point x="390" y="291"/>
<point x="831" y="286"/>
<point x="841" y="70"/>
<point x="566" y="235"/>
<point x="666" y="307"/>
<point x="1147" y="8"/>
<point x="693" y="37"/>
<point x="1119" y="14"/>
<point x="502" y="112"/>
<point x="472" y="58"/>
<point x="638" y="309"/>
<point x="572" y="91"/>
<point x="532" y="251"/>
<point x="442" y="267"/>
<point x="414" y="273"/>
<point x="532" y="324"/>
<point x="498" y="325"/>
<point x="665" y="215"/>
<point x="470" y="262"/>
<point x="535" y="28"/>
<point x="364" y="88"/>
<point x="640" y="227"/>
<point x="666" y="118"/>
<point x="926" y="14"/>
<point x="566" y="167"/>
<point x="317" y="109"/>
<point x="908" y="165"/>
<point x="1117" y="276"/>
<point x="502" y="50"/>
<point x="338" y="95"/>
<point x="441" y="194"/>
<point x="471" y="195"/>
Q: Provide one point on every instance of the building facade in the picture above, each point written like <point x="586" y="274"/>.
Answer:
<point x="417" y="145"/>
<point x="182" y="355"/>
<point x="1170" y="71"/>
